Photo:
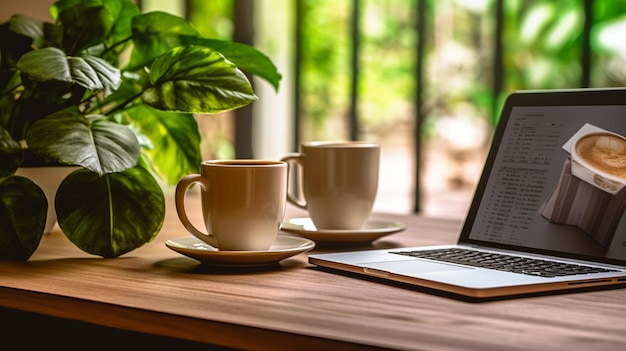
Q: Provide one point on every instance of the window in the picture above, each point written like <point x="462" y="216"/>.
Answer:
<point x="357" y="69"/>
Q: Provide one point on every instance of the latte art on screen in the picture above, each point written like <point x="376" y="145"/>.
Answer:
<point x="605" y="152"/>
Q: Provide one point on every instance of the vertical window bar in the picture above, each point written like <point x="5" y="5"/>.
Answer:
<point x="586" y="45"/>
<point x="354" y="79"/>
<point x="243" y="33"/>
<point x="297" y="69"/>
<point x="420" y="28"/>
<point x="188" y="6"/>
<point x="498" y="60"/>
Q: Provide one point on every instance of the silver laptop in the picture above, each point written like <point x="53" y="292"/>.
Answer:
<point x="548" y="212"/>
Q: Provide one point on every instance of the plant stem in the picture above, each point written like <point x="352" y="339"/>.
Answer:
<point x="119" y="43"/>
<point x="10" y="91"/>
<point x="122" y="106"/>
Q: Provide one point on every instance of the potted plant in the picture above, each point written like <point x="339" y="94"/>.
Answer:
<point x="113" y="91"/>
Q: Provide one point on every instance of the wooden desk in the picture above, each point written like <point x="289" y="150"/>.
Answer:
<point x="158" y="293"/>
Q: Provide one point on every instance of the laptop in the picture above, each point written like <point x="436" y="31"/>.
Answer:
<point x="549" y="209"/>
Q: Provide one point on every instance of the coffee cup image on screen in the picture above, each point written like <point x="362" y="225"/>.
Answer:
<point x="591" y="192"/>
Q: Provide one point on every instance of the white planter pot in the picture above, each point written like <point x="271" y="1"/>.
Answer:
<point x="48" y="179"/>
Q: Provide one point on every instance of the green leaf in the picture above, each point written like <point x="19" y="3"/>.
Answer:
<point x="10" y="154"/>
<point x="110" y="215"/>
<point x="28" y="27"/>
<point x="247" y="58"/>
<point x="154" y="33"/>
<point x="123" y="11"/>
<point x="175" y="149"/>
<point x="95" y="74"/>
<point x="23" y="211"/>
<point x="12" y="47"/>
<point x="51" y="64"/>
<point x="61" y="5"/>
<point x="85" y="24"/>
<point x="97" y="144"/>
<point x="197" y="79"/>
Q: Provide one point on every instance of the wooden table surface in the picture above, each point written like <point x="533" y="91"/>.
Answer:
<point x="156" y="291"/>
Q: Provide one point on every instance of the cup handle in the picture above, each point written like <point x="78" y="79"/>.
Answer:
<point x="294" y="160"/>
<point x="179" y="198"/>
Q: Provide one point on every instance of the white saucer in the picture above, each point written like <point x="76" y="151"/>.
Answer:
<point x="284" y="247"/>
<point x="370" y="232"/>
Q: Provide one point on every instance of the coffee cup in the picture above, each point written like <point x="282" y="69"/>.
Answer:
<point x="599" y="158"/>
<point x="243" y="203"/>
<point x="338" y="183"/>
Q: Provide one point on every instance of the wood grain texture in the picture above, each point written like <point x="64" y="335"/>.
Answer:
<point x="295" y="305"/>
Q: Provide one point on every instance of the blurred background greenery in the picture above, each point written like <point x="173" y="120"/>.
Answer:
<point x="465" y="76"/>
<point x="542" y="49"/>
<point x="430" y="99"/>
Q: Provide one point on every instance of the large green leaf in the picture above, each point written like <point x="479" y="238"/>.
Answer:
<point x="247" y="58"/>
<point x="121" y="11"/>
<point x="85" y="24"/>
<point x="95" y="143"/>
<point x="23" y="210"/>
<point x="114" y="51"/>
<point x="174" y="150"/>
<point x="154" y="33"/>
<point x="112" y="214"/>
<point x="197" y="79"/>
<point x="51" y="64"/>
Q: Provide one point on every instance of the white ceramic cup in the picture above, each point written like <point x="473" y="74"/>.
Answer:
<point x="339" y="182"/>
<point x="243" y="203"/>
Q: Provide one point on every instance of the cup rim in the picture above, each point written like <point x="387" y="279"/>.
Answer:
<point x="243" y="163"/>
<point x="584" y="163"/>
<point x="340" y="143"/>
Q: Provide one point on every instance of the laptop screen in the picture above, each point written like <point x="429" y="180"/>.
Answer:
<point x="555" y="179"/>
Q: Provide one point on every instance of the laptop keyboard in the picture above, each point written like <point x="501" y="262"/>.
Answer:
<point x="502" y="262"/>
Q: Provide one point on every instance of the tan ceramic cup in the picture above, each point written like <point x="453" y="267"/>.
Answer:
<point x="243" y="203"/>
<point x="339" y="182"/>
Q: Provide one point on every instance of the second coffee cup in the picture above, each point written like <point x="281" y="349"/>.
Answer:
<point x="243" y="203"/>
<point x="339" y="182"/>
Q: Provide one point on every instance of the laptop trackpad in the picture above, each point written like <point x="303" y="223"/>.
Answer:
<point x="413" y="267"/>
